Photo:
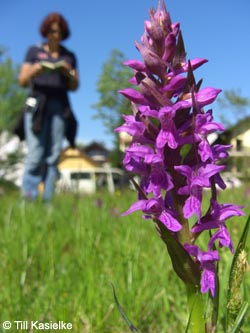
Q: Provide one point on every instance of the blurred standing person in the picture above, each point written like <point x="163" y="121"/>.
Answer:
<point x="47" y="113"/>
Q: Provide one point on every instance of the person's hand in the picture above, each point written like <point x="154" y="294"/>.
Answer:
<point x="35" y="69"/>
<point x="72" y="76"/>
<point x="66" y="69"/>
<point x="27" y="72"/>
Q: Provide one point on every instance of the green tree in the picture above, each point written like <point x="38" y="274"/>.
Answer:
<point x="233" y="107"/>
<point x="111" y="104"/>
<point x="11" y="95"/>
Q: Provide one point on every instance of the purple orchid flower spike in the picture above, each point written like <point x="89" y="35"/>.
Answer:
<point x="170" y="152"/>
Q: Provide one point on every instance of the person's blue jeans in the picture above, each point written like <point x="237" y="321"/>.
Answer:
<point x="43" y="152"/>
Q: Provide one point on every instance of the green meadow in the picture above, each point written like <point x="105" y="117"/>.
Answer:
<point x="60" y="264"/>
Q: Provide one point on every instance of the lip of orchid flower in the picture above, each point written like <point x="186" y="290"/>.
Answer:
<point x="216" y="219"/>
<point x="217" y="216"/>
<point x="133" y="160"/>
<point x="159" y="180"/>
<point x="196" y="181"/>
<point x="205" y="151"/>
<point x="223" y="236"/>
<point x="131" y="126"/>
<point x="220" y="151"/>
<point x="204" y="124"/>
<point x="207" y="261"/>
<point x="154" y="208"/>
<point x="168" y="133"/>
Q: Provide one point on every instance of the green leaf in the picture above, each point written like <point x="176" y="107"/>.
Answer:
<point x="239" y="318"/>
<point x="234" y="298"/>
<point x="184" y="266"/>
<point x="196" y="321"/>
<point x="122" y="313"/>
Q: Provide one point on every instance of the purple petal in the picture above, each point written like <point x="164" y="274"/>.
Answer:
<point x="207" y="96"/>
<point x="138" y="205"/>
<point x="185" y="104"/>
<point x="208" y="281"/>
<point x="139" y="150"/>
<point x="146" y="111"/>
<point x="152" y="206"/>
<point x="223" y="237"/>
<point x="169" y="221"/>
<point x="219" y="181"/>
<point x="209" y="170"/>
<point x="184" y="190"/>
<point x="159" y="179"/>
<point x="134" y="96"/>
<point x="134" y="164"/>
<point x="192" y="206"/>
<point x="204" y="150"/>
<point x="153" y="159"/>
<point x="221" y="151"/>
<point x="132" y="127"/>
<point x="204" y="125"/>
<point x="229" y="210"/>
<point x="193" y="250"/>
<point x="176" y="83"/>
<point x="185" y="170"/>
<point x="166" y="137"/>
<point x="206" y="259"/>
<point x="195" y="63"/>
<point x="136" y="65"/>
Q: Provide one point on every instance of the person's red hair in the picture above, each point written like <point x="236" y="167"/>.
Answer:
<point x="52" y="18"/>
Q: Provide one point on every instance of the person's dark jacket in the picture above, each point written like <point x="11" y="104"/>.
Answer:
<point x="68" y="115"/>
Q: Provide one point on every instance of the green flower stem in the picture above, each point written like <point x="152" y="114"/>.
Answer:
<point x="184" y="234"/>
<point x="196" y="306"/>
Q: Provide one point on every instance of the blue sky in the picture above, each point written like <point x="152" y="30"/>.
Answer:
<point x="217" y="30"/>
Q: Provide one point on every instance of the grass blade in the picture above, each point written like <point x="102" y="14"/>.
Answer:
<point x="234" y="299"/>
<point x="122" y="313"/>
<point x="239" y="318"/>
